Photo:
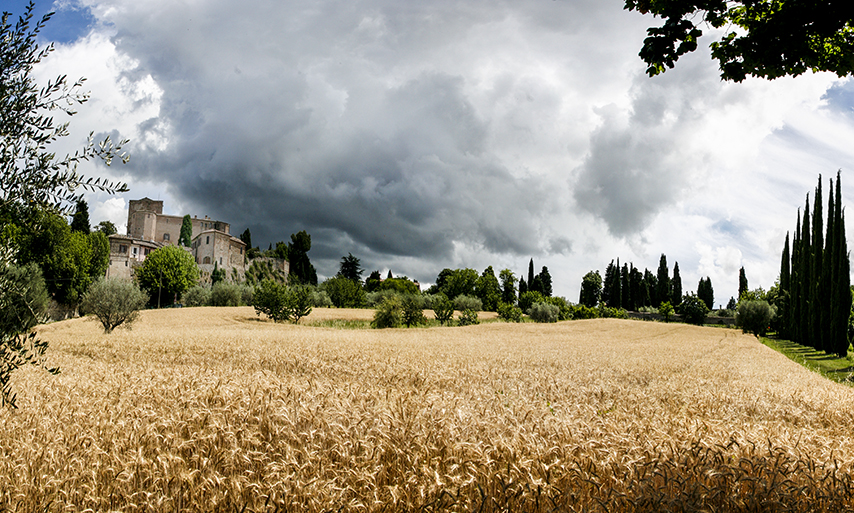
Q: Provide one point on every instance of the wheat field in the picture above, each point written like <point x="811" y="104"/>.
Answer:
<point x="212" y="409"/>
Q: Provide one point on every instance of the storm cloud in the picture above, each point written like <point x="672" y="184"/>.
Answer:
<point x="427" y="135"/>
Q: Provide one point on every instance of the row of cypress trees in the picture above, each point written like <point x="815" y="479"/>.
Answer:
<point x="814" y="279"/>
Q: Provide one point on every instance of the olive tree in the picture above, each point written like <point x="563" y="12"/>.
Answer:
<point x="32" y="178"/>
<point x="114" y="302"/>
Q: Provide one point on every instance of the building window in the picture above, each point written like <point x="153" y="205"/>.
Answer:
<point x="134" y="251"/>
<point x="123" y="248"/>
<point x="220" y="260"/>
<point x="207" y="239"/>
<point x="147" y="251"/>
<point x="207" y="260"/>
<point x="165" y="236"/>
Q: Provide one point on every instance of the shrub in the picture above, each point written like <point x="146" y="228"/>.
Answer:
<point x="693" y="310"/>
<point x="282" y="303"/>
<point x="225" y="294"/>
<point x="344" y="293"/>
<point x="527" y="300"/>
<point x="375" y="299"/>
<point x="198" y="296"/>
<point x="464" y="302"/>
<point x="564" y="307"/>
<point x="754" y="316"/>
<point x="413" y="314"/>
<point x="725" y="312"/>
<point x="607" y="312"/>
<point x="426" y="301"/>
<point x="389" y="314"/>
<point x="544" y="312"/>
<point x="247" y="292"/>
<point x="580" y="312"/>
<point x="320" y="299"/>
<point x="114" y="302"/>
<point x="468" y="317"/>
<point x="509" y="313"/>
<point x="648" y="309"/>
<point x="443" y="308"/>
<point x="666" y="310"/>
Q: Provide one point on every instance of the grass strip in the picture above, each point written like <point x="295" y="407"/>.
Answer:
<point x="829" y="365"/>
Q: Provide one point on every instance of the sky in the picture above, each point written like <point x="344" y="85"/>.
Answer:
<point x="427" y="135"/>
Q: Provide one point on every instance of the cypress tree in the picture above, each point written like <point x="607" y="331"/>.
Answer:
<point x="663" y="281"/>
<point x="625" y="291"/>
<point x="841" y="293"/>
<point x="806" y="278"/>
<point x="785" y="290"/>
<point x="817" y="298"/>
<point x="742" y="282"/>
<point x="635" y="279"/>
<point x="530" y="273"/>
<point x="794" y="283"/>
<point x="607" y="284"/>
<point x="676" y="286"/>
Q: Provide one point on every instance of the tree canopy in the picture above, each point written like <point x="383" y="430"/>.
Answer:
<point x="351" y="268"/>
<point x="761" y="38"/>
<point x="169" y="271"/>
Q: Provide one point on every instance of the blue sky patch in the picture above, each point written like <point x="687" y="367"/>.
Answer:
<point x="70" y="22"/>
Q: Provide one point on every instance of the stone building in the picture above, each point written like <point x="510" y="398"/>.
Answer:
<point x="149" y="228"/>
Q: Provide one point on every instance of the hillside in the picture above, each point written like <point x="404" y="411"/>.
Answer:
<point x="211" y="408"/>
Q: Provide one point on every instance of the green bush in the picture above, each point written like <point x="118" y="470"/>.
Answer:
<point x="114" y="302"/>
<point x="281" y="303"/>
<point x="666" y="310"/>
<point x="509" y="313"/>
<point x="464" y="302"/>
<point x="693" y="310"/>
<point x="225" y="294"/>
<point x="413" y="314"/>
<point x="754" y="316"/>
<point x="527" y="300"/>
<point x="648" y="309"/>
<point x="344" y="293"/>
<point x="389" y="314"/>
<point x="468" y="317"/>
<point x="320" y="299"/>
<point x="544" y="312"/>
<point x="607" y="312"/>
<point x="198" y="296"/>
<point x="564" y="307"/>
<point x="581" y="312"/>
<point x="725" y="312"/>
<point x="443" y="308"/>
<point x="247" y="292"/>
<point x="375" y="299"/>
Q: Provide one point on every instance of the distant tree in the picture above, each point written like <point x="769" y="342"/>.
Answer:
<point x="676" y="286"/>
<point x="186" y="236"/>
<point x="402" y="285"/>
<point x="742" y="282"/>
<point x="443" y="308"/>
<point x="663" y="279"/>
<point x="114" y="302"/>
<point x="488" y="290"/>
<point x="217" y="275"/>
<point x="508" y="286"/>
<point x="731" y="304"/>
<point x="80" y="219"/>
<point x="389" y="314"/>
<point x="460" y="282"/>
<point x="390" y="276"/>
<point x="652" y="286"/>
<point x="693" y="310"/>
<point x="167" y="271"/>
<point x="99" y="249"/>
<point x="372" y="283"/>
<point x="344" y="292"/>
<point x="246" y="237"/>
<point x="754" y="317"/>
<point x="706" y="292"/>
<point x="531" y="274"/>
<point x="351" y="268"/>
<point x="625" y="289"/>
<point x="545" y="282"/>
<point x="107" y="228"/>
<point x="523" y="286"/>
<point x="301" y="268"/>
<point x="412" y="314"/>
<point x="280" y="302"/>
<point x="280" y="251"/>
<point x="591" y="289"/>
<point x="509" y="313"/>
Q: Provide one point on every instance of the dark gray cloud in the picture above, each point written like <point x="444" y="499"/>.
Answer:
<point x="402" y="130"/>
